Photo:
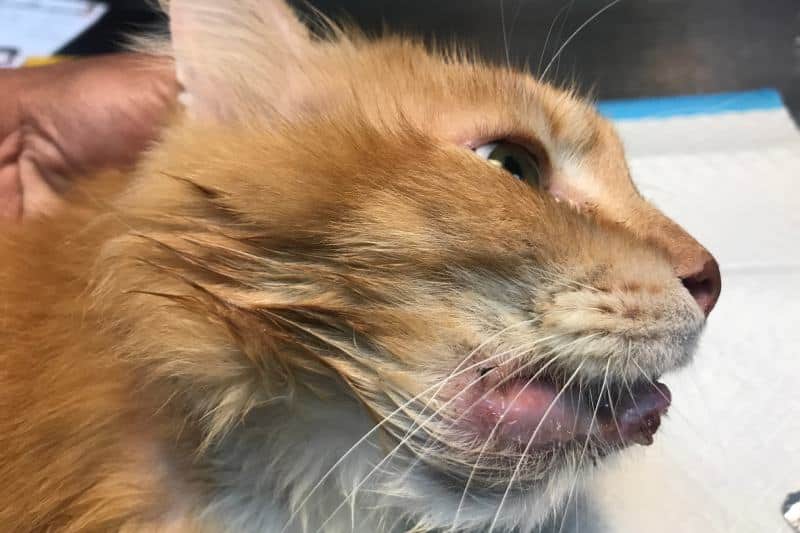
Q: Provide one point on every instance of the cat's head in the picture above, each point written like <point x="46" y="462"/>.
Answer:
<point x="459" y="245"/>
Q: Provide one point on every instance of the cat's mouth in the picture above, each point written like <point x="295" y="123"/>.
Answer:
<point x="539" y="413"/>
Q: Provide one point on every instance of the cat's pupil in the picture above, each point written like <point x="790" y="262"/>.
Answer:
<point x="513" y="167"/>
<point x="513" y="158"/>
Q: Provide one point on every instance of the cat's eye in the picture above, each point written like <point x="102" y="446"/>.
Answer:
<point x="514" y="159"/>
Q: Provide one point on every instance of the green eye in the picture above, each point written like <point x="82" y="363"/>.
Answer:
<point x="514" y="159"/>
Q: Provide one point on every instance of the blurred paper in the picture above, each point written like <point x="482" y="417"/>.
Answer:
<point x="32" y="28"/>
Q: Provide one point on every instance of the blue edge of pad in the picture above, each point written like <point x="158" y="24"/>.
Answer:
<point x="676" y="106"/>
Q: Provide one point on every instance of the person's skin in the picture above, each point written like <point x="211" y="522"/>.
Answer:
<point x="67" y="120"/>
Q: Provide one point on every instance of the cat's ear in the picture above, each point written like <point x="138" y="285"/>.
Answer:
<point x="239" y="57"/>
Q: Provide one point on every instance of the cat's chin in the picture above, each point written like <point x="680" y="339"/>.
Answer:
<point x="431" y="500"/>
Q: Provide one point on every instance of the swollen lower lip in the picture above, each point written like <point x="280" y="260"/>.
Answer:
<point x="535" y="415"/>
<point x="532" y="414"/>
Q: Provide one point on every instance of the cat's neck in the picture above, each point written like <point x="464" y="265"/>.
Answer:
<point x="266" y="466"/>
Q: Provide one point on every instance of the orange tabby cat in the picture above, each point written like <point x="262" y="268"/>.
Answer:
<point x="357" y="286"/>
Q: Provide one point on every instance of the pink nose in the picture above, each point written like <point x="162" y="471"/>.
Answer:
<point x="703" y="281"/>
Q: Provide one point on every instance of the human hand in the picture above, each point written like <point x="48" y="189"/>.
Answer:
<point x="67" y="120"/>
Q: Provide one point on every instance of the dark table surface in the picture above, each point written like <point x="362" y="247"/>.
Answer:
<point x="634" y="48"/>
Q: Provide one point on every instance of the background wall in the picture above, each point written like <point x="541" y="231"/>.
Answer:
<point x="635" y="48"/>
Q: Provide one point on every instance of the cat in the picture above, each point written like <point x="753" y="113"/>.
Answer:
<point x="357" y="285"/>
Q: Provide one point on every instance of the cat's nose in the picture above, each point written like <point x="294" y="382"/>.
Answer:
<point x="702" y="279"/>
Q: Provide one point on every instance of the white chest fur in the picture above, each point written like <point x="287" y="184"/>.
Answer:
<point x="266" y="468"/>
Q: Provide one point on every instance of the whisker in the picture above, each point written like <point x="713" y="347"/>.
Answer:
<point x="366" y="436"/>
<point x="495" y="387"/>
<point x="628" y="360"/>
<point x="505" y="37"/>
<point x="491" y="389"/>
<point x="549" y="32"/>
<point x="576" y="32"/>
<point x="528" y="446"/>
<point x="673" y="410"/>
<point x="585" y="446"/>
<point x="687" y="420"/>
<point x="506" y="380"/>
<point x="563" y="279"/>
<point x="471" y="354"/>
<point x="392" y="453"/>
<point x="649" y="380"/>
<point x="522" y="349"/>
<point x="518" y="353"/>
<point x="491" y="434"/>
<point x="420" y="453"/>
<point x="514" y="20"/>
<point x="408" y="435"/>
<point x="561" y="28"/>
<point x="611" y="402"/>
<point x="488" y="440"/>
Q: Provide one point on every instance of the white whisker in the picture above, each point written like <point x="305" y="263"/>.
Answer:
<point x="585" y="445"/>
<point x="491" y="434"/>
<point x="409" y="434"/>
<point x="392" y="453"/>
<point x="505" y="36"/>
<point x="549" y="32"/>
<point x="528" y="446"/>
<point x="576" y="32"/>
<point x="485" y="394"/>
<point x="366" y="436"/>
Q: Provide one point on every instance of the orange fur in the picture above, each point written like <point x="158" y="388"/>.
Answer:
<point x="79" y="438"/>
<point x="329" y="234"/>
